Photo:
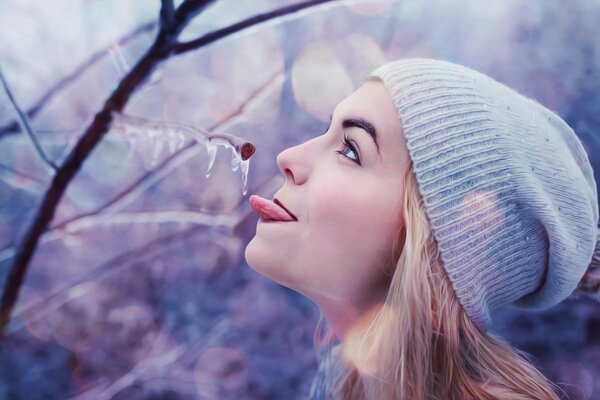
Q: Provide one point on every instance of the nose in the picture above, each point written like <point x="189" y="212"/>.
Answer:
<point x="294" y="162"/>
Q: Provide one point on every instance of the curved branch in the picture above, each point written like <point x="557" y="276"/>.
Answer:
<point x="25" y="124"/>
<point x="164" y="46"/>
<point x="167" y="15"/>
<point x="255" y="20"/>
<point x="13" y="127"/>
<point x="158" y="52"/>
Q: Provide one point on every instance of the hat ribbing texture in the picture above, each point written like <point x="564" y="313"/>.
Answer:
<point x="507" y="185"/>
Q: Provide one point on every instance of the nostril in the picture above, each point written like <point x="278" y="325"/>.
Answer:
<point x="289" y="173"/>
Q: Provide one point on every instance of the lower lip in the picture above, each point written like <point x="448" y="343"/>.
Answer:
<point x="272" y="221"/>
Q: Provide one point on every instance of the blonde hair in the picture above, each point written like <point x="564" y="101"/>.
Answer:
<point x="442" y="355"/>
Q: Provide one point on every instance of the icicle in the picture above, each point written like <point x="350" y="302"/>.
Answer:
<point x="245" y="166"/>
<point x="180" y="140"/>
<point x="149" y="148"/>
<point x="235" y="160"/>
<point x="211" y="151"/>
<point x="145" y="148"/>
<point x="155" y="133"/>
<point x="159" y="144"/>
<point x="171" y="141"/>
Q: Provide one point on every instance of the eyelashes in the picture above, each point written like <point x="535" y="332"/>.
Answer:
<point x="349" y="145"/>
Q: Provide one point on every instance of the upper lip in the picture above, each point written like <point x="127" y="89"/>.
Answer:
<point x="279" y="203"/>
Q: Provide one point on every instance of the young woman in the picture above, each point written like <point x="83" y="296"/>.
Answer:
<point x="436" y="195"/>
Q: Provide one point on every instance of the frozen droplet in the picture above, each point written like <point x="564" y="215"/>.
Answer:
<point x="180" y="140"/>
<point x="144" y="148"/>
<point x="158" y="146"/>
<point x="171" y="141"/>
<point x="211" y="152"/>
<point x="527" y="238"/>
<point x="235" y="160"/>
<point x="245" y="166"/>
<point x="508" y="174"/>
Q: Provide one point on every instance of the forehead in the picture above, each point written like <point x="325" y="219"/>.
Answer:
<point x="373" y="103"/>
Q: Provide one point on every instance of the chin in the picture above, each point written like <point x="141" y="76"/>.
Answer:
<point x="260" y="261"/>
<point x="264" y="265"/>
<point x="251" y="257"/>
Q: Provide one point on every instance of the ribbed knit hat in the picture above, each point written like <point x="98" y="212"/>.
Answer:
<point x="507" y="186"/>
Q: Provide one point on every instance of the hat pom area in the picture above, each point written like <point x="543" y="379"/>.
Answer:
<point x="590" y="282"/>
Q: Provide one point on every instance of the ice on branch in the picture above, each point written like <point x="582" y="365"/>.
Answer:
<point x="151" y="138"/>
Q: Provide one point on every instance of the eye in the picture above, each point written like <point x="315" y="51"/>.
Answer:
<point x="349" y="146"/>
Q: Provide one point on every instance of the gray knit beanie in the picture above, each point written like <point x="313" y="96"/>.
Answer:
<point x="507" y="186"/>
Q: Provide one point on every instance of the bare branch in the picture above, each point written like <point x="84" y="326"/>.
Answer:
<point x="13" y="127"/>
<point x="167" y="15"/>
<point x="206" y="219"/>
<point x="158" y="52"/>
<point x="129" y="194"/>
<point x="21" y="175"/>
<point x="242" y="147"/>
<point x="142" y="253"/>
<point x="150" y="178"/>
<point x="164" y="46"/>
<point x="182" y="16"/>
<point x="257" y="19"/>
<point x="25" y="124"/>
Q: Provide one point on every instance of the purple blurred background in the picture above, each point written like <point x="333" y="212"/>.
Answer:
<point x="139" y="288"/>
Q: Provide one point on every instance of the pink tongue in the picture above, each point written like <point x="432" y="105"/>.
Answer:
<point x="268" y="210"/>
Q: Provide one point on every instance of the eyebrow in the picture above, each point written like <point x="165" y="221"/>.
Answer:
<point x="362" y="124"/>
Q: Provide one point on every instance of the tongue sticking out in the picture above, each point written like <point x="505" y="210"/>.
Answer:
<point x="268" y="210"/>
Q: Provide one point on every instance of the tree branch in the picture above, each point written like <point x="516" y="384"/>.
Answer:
<point x="13" y="127"/>
<point x="25" y="125"/>
<point x="255" y="20"/>
<point x="179" y="20"/>
<point x="167" y="15"/>
<point x="150" y="178"/>
<point x="164" y="46"/>
<point x="158" y="52"/>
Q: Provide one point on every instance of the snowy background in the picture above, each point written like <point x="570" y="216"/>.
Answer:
<point x="139" y="288"/>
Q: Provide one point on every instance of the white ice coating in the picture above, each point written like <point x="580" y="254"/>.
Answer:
<point x="151" y="138"/>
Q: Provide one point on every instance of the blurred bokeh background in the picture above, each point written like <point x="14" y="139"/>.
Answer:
<point x="139" y="288"/>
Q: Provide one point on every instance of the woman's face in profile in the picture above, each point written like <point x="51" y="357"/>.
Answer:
<point x="347" y="212"/>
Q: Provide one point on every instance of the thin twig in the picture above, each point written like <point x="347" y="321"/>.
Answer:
<point x="25" y="124"/>
<point x="255" y="20"/>
<point x="128" y="195"/>
<point x="158" y="52"/>
<point x="132" y="192"/>
<point x="13" y="127"/>
<point x="164" y="46"/>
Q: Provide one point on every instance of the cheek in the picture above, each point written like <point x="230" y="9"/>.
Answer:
<point x="360" y="215"/>
<point x="355" y="204"/>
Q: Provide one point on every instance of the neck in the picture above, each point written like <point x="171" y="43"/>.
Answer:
<point x="346" y="317"/>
